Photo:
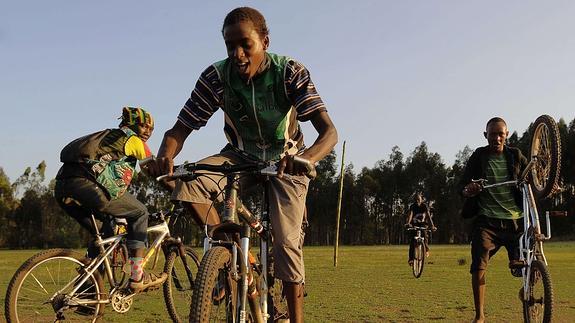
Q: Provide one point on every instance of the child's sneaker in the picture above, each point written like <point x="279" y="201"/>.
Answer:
<point x="148" y="280"/>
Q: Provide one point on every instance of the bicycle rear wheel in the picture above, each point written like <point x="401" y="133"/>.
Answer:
<point x="178" y="288"/>
<point x="538" y="307"/>
<point x="546" y="147"/>
<point x="38" y="289"/>
<point x="214" y="296"/>
<point x="419" y="259"/>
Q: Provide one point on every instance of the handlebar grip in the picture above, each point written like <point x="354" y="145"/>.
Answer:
<point x="162" y="177"/>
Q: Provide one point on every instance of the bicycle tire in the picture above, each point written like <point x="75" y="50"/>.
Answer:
<point x="214" y="296"/>
<point x="28" y="299"/>
<point x="419" y="259"/>
<point x="179" y="286"/>
<point x="118" y="260"/>
<point x="539" y="308"/>
<point x="546" y="146"/>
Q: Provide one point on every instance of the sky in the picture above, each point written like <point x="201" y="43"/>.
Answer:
<point x="390" y="72"/>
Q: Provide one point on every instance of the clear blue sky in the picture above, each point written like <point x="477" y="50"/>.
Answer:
<point x="390" y="72"/>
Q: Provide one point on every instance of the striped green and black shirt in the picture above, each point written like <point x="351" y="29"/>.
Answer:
<point x="498" y="202"/>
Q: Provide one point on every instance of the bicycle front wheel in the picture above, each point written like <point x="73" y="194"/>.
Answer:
<point x="419" y="259"/>
<point x="546" y="147"/>
<point x="178" y="288"/>
<point x="538" y="307"/>
<point x="214" y="296"/>
<point x="39" y="290"/>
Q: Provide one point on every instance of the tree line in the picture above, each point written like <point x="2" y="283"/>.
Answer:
<point x="374" y="202"/>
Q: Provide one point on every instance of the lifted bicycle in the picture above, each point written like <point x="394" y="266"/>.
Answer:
<point x="542" y="171"/>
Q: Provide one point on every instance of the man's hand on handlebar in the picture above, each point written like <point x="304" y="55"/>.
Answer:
<point x="157" y="166"/>
<point x="472" y="189"/>
<point x="295" y="165"/>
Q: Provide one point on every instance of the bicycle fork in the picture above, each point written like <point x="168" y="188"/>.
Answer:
<point x="247" y="291"/>
<point x="531" y="241"/>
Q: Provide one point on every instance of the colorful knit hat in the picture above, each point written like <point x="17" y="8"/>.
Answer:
<point x="132" y="116"/>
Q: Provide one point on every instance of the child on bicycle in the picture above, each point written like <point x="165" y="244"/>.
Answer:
<point x="497" y="212"/>
<point x="263" y="96"/>
<point x="418" y="215"/>
<point x="94" y="179"/>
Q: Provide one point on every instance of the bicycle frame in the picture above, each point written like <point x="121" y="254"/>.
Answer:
<point x="102" y="258"/>
<point x="234" y="208"/>
<point x="531" y="241"/>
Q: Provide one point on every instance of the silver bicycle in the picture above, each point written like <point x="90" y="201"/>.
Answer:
<point x="62" y="285"/>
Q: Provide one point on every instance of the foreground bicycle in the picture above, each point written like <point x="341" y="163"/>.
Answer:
<point x="419" y="251"/>
<point x="227" y="279"/>
<point x="62" y="285"/>
<point x="543" y="171"/>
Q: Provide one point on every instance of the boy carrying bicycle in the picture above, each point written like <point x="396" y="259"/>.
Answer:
<point x="263" y="97"/>
<point x="497" y="212"/>
<point x="94" y="179"/>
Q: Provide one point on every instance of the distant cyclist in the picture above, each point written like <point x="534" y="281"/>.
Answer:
<point x="94" y="179"/>
<point x="418" y="215"/>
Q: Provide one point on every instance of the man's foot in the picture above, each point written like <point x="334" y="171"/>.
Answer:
<point x="427" y="254"/>
<point x="516" y="267"/>
<point x="148" y="280"/>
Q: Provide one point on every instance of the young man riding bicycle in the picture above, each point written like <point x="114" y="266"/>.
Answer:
<point x="418" y="215"/>
<point x="497" y="212"/>
<point x="94" y="179"/>
<point x="263" y="96"/>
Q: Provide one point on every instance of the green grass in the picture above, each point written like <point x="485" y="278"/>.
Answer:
<point x="375" y="284"/>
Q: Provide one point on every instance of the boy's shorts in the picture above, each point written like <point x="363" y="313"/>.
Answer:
<point x="490" y="234"/>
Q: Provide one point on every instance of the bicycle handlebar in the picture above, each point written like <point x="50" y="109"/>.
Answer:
<point x="188" y="171"/>
<point x="414" y="228"/>
<point x="522" y="178"/>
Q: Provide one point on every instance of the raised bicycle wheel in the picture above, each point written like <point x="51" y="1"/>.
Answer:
<point x="538" y="307"/>
<point x="39" y="289"/>
<point x="178" y="288"/>
<point x="419" y="259"/>
<point x="214" y="296"/>
<point x="118" y="260"/>
<point x="546" y="148"/>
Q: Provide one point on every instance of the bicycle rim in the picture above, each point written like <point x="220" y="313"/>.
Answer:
<point x="179" y="286"/>
<point x="40" y="286"/>
<point x="546" y="147"/>
<point x="538" y="307"/>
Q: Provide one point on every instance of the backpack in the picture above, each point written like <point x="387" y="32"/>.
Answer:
<point x="84" y="148"/>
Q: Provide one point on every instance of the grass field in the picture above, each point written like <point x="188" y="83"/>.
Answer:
<point x="374" y="284"/>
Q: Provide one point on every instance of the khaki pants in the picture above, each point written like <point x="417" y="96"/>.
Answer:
<point x="287" y="206"/>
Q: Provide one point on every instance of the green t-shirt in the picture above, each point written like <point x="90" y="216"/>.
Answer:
<point x="498" y="202"/>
